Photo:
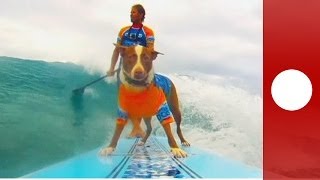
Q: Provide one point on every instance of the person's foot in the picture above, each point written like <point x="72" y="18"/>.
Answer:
<point x="141" y="143"/>
<point x="106" y="151"/>
<point x="185" y="143"/>
<point x="137" y="134"/>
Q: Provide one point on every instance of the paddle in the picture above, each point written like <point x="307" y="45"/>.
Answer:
<point x="81" y="89"/>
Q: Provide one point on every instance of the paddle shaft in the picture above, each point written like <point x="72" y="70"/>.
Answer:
<point x="93" y="82"/>
<point x="81" y="89"/>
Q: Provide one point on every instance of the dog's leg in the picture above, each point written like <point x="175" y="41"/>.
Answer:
<point x="137" y="131"/>
<point x="108" y="150"/>
<point x="176" y="151"/>
<point x="147" y="121"/>
<point x="174" y="107"/>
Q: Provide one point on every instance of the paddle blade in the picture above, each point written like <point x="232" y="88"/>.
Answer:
<point x="78" y="91"/>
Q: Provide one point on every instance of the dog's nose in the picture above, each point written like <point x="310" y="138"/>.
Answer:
<point x="138" y="74"/>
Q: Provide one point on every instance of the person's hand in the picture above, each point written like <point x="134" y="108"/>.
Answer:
<point x="111" y="72"/>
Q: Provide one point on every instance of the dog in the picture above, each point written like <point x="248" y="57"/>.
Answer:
<point x="143" y="94"/>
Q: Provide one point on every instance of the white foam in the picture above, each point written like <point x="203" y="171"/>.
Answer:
<point x="235" y="116"/>
<point x="91" y="92"/>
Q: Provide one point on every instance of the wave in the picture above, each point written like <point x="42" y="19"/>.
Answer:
<point x="40" y="114"/>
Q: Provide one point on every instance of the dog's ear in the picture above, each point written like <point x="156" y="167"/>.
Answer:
<point x="120" y="48"/>
<point x="155" y="54"/>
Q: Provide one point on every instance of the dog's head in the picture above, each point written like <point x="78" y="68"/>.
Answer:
<point x="137" y="63"/>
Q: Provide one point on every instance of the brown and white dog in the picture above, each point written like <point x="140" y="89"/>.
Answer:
<point x="143" y="94"/>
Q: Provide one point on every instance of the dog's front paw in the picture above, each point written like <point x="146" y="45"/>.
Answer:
<point x="106" y="151"/>
<point x="178" y="153"/>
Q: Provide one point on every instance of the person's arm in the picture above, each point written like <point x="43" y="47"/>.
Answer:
<point x="116" y="52"/>
<point x="114" y="60"/>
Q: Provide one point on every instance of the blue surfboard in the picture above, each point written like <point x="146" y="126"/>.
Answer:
<point x="153" y="160"/>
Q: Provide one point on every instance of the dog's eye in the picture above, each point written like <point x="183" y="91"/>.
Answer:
<point x="132" y="57"/>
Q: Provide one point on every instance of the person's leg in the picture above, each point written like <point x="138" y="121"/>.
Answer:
<point x="147" y="121"/>
<point x="118" y="72"/>
<point x="136" y="131"/>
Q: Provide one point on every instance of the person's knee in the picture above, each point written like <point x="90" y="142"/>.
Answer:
<point x="149" y="129"/>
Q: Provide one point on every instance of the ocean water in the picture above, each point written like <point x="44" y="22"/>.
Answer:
<point x="42" y="122"/>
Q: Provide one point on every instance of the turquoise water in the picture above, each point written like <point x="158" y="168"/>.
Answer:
<point x="42" y="122"/>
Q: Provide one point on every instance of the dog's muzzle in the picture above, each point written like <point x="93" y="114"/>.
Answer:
<point x="139" y="75"/>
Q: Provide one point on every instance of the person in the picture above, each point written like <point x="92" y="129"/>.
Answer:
<point x="135" y="34"/>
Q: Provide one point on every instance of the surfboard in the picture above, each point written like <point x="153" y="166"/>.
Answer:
<point x="153" y="160"/>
